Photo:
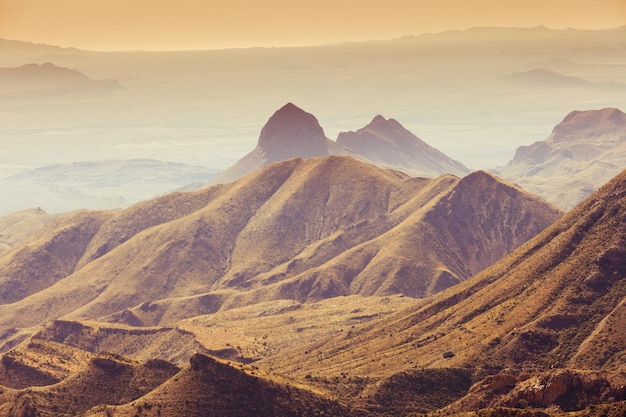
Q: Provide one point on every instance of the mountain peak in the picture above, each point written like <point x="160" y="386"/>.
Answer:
<point x="290" y="127"/>
<point x="590" y="124"/>
<point x="382" y="125"/>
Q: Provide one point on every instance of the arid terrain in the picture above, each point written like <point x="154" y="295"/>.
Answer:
<point x="368" y="276"/>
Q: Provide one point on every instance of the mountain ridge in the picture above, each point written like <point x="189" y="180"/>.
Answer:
<point x="583" y="152"/>
<point x="291" y="132"/>
<point x="299" y="229"/>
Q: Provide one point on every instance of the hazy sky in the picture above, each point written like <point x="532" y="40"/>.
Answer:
<point x="206" y="24"/>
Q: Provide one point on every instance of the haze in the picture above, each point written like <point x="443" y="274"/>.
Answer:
<point x="137" y="122"/>
<point x="195" y="24"/>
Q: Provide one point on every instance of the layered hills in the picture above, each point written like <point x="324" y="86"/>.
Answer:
<point x="540" y="329"/>
<point x="293" y="133"/>
<point x="48" y="79"/>
<point x="546" y="321"/>
<point x="302" y="230"/>
<point x="584" y="151"/>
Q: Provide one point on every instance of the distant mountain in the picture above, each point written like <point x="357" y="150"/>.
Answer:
<point x="289" y="133"/>
<point x="583" y="152"/>
<point x="48" y="79"/>
<point x="545" y="78"/>
<point x="292" y="132"/>
<point x="386" y="142"/>
<point x="97" y="184"/>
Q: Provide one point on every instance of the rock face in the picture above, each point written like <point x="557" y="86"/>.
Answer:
<point x="293" y="133"/>
<point x="584" y="151"/>
<point x="387" y="143"/>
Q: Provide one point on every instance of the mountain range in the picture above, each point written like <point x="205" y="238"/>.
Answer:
<point x="47" y="79"/>
<point x="583" y="152"/>
<point x="538" y="331"/>
<point x="293" y="133"/>
<point x="301" y="229"/>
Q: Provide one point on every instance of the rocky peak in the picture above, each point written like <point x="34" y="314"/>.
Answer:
<point x="583" y="125"/>
<point x="291" y="127"/>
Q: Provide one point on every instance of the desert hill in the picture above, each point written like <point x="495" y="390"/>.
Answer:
<point x="547" y="321"/>
<point x="387" y="142"/>
<point x="291" y="132"/>
<point x="211" y="387"/>
<point x="303" y="230"/>
<point x="48" y="79"/>
<point x="584" y="151"/>
<point x="20" y="225"/>
<point x="105" y="379"/>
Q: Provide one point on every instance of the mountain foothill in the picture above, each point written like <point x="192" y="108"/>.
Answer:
<point x="321" y="278"/>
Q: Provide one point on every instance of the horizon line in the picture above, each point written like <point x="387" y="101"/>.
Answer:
<point x="314" y="45"/>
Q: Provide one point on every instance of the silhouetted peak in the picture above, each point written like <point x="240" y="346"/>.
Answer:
<point x="589" y="124"/>
<point x="290" y="125"/>
<point x="380" y="124"/>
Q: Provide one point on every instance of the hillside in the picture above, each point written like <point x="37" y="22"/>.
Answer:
<point x="584" y="151"/>
<point x="545" y="321"/>
<point x="294" y="133"/>
<point x="20" y="225"/>
<point x="301" y="230"/>
<point x="386" y="142"/>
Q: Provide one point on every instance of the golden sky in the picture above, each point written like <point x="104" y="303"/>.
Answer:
<point x="207" y="24"/>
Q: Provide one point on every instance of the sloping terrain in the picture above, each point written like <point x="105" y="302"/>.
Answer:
<point x="298" y="230"/>
<point x="20" y="225"/>
<point x="386" y="142"/>
<point x="547" y="320"/>
<point x="584" y="151"/>
<point x="212" y="388"/>
<point x="106" y="379"/>
<point x="540" y="330"/>
<point x="294" y="133"/>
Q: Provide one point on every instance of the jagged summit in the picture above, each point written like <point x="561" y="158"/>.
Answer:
<point x="387" y="143"/>
<point x="293" y="133"/>
<point x="579" y="126"/>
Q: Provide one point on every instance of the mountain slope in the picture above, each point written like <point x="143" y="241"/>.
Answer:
<point x="210" y="387"/>
<point x="554" y="305"/>
<point x="584" y="151"/>
<point x="20" y="225"/>
<point x="300" y="230"/>
<point x="386" y="142"/>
